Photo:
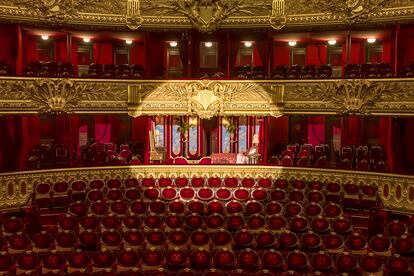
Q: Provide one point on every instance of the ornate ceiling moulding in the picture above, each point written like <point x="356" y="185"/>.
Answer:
<point x="59" y="95"/>
<point x="205" y="15"/>
<point x="354" y="11"/>
<point x="356" y="96"/>
<point x="206" y="98"/>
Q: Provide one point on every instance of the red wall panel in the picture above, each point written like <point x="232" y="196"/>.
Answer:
<point x="102" y="53"/>
<point x="281" y="55"/>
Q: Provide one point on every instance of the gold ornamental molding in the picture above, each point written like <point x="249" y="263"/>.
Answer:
<point x="395" y="191"/>
<point x="205" y="15"/>
<point x="207" y="98"/>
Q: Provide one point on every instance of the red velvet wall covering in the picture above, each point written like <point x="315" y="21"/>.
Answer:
<point x="316" y="54"/>
<point x="281" y="55"/>
<point x="8" y="40"/>
<point x="102" y="53"/>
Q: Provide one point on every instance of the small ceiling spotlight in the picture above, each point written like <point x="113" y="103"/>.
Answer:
<point x="248" y="44"/>
<point x="332" y="42"/>
<point x="292" y="43"/>
<point x="86" y="39"/>
<point x="45" y="37"/>
<point x="371" y="40"/>
<point x="173" y="43"/>
<point x="129" y="42"/>
<point x="208" y="44"/>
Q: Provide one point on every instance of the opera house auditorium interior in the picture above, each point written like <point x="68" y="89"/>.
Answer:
<point x="207" y="137"/>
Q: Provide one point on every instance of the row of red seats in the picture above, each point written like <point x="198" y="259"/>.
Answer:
<point x="200" y="261"/>
<point x="302" y="72"/>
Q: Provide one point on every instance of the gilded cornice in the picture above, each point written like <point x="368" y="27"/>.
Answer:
<point x="206" y="15"/>
<point x="395" y="191"/>
<point x="208" y="98"/>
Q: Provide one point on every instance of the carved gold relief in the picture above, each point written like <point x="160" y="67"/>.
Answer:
<point x="205" y="15"/>
<point x="16" y="188"/>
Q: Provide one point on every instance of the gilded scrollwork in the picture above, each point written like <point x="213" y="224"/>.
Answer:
<point x="16" y="188"/>
<point x="356" y="96"/>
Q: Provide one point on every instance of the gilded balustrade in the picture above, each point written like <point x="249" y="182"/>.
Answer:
<point x="396" y="191"/>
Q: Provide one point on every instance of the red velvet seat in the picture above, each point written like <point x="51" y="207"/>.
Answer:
<point x="131" y="183"/>
<point x="356" y="243"/>
<point x="114" y="194"/>
<point x="332" y="210"/>
<point x="96" y="184"/>
<point x="138" y="207"/>
<point x="152" y="258"/>
<point x="311" y="241"/>
<point x="241" y="194"/>
<point x="78" y="190"/>
<point x="174" y="221"/>
<point x="346" y="263"/>
<point x="333" y="191"/>
<point x="132" y="194"/>
<point x="176" y="258"/>
<point x="165" y="182"/>
<point x="113" y="184"/>
<point x="296" y="195"/>
<point x="221" y="238"/>
<point x="313" y="210"/>
<point x="253" y="207"/>
<point x="60" y="192"/>
<point x="297" y="261"/>
<point x="272" y="260"/>
<point x="157" y="207"/>
<point x="274" y="208"/>
<point x="53" y="261"/>
<point x="43" y="242"/>
<point x="176" y="206"/>
<point x="278" y="195"/>
<point x="194" y="221"/>
<point x="315" y="196"/>
<point x="67" y="222"/>
<point x="196" y="206"/>
<point x="223" y="194"/>
<point x="127" y="259"/>
<point x="169" y="193"/>
<point x="13" y="225"/>
<point x="276" y="223"/>
<point x="181" y="182"/>
<point x="288" y="239"/>
<point x="111" y="239"/>
<point x="78" y="260"/>
<point x="215" y="221"/>
<point x="6" y="263"/>
<point x="89" y="222"/>
<point x="224" y="259"/>
<point x="333" y="243"/>
<point x="102" y="260"/>
<point x="27" y="263"/>
<point x="259" y="194"/>
<point x="215" y="206"/>
<point x="148" y="182"/>
<point x="99" y="208"/>
<point x="255" y="222"/>
<point x="215" y="182"/>
<point x="43" y="194"/>
<point x="322" y="262"/>
<point x="231" y="182"/>
<point x="187" y="193"/>
<point x="248" y="259"/>
<point x="341" y="225"/>
<point x="200" y="259"/>
<point x="199" y="238"/>
<point x="263" y="183"/>
<point x="18" y="243"/>
<point x="177" y="238"/>
<point x="243" y="238"/>
<point x="197" y="182"/>
<point x="299" y="224"/>
<point x="111" y="221"/>
<point x="404" y="245"/>
<point x="66" y="241"/>
<point x="293" y="209"/>
<point x="205" y="193"/>
<point x="320" y="225"/>
<point x="78" y="208"/>
<point x="281" y="184"/>
<point x="371" y="263"/>
<point x="398" y="265"/>
<point x="396" y="228"/>
<point x="315" y="185"/>
<point x="265" y="239"/>
<point x="89" y="239"/>
<point x="235" y="222"/>
<point x="95" y="195"/>
<point x="380" y="245"/>
<point x="234" y="207"/>
<point x="153" y="221"/>
<point x="155" y="238"/>
<point x="119" y="207"/>
<point x="131" y="222"/>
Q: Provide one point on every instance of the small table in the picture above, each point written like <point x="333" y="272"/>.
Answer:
<point x="254" y="158"/>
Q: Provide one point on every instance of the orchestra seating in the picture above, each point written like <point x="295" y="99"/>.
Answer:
<point x="205" y="226"/>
